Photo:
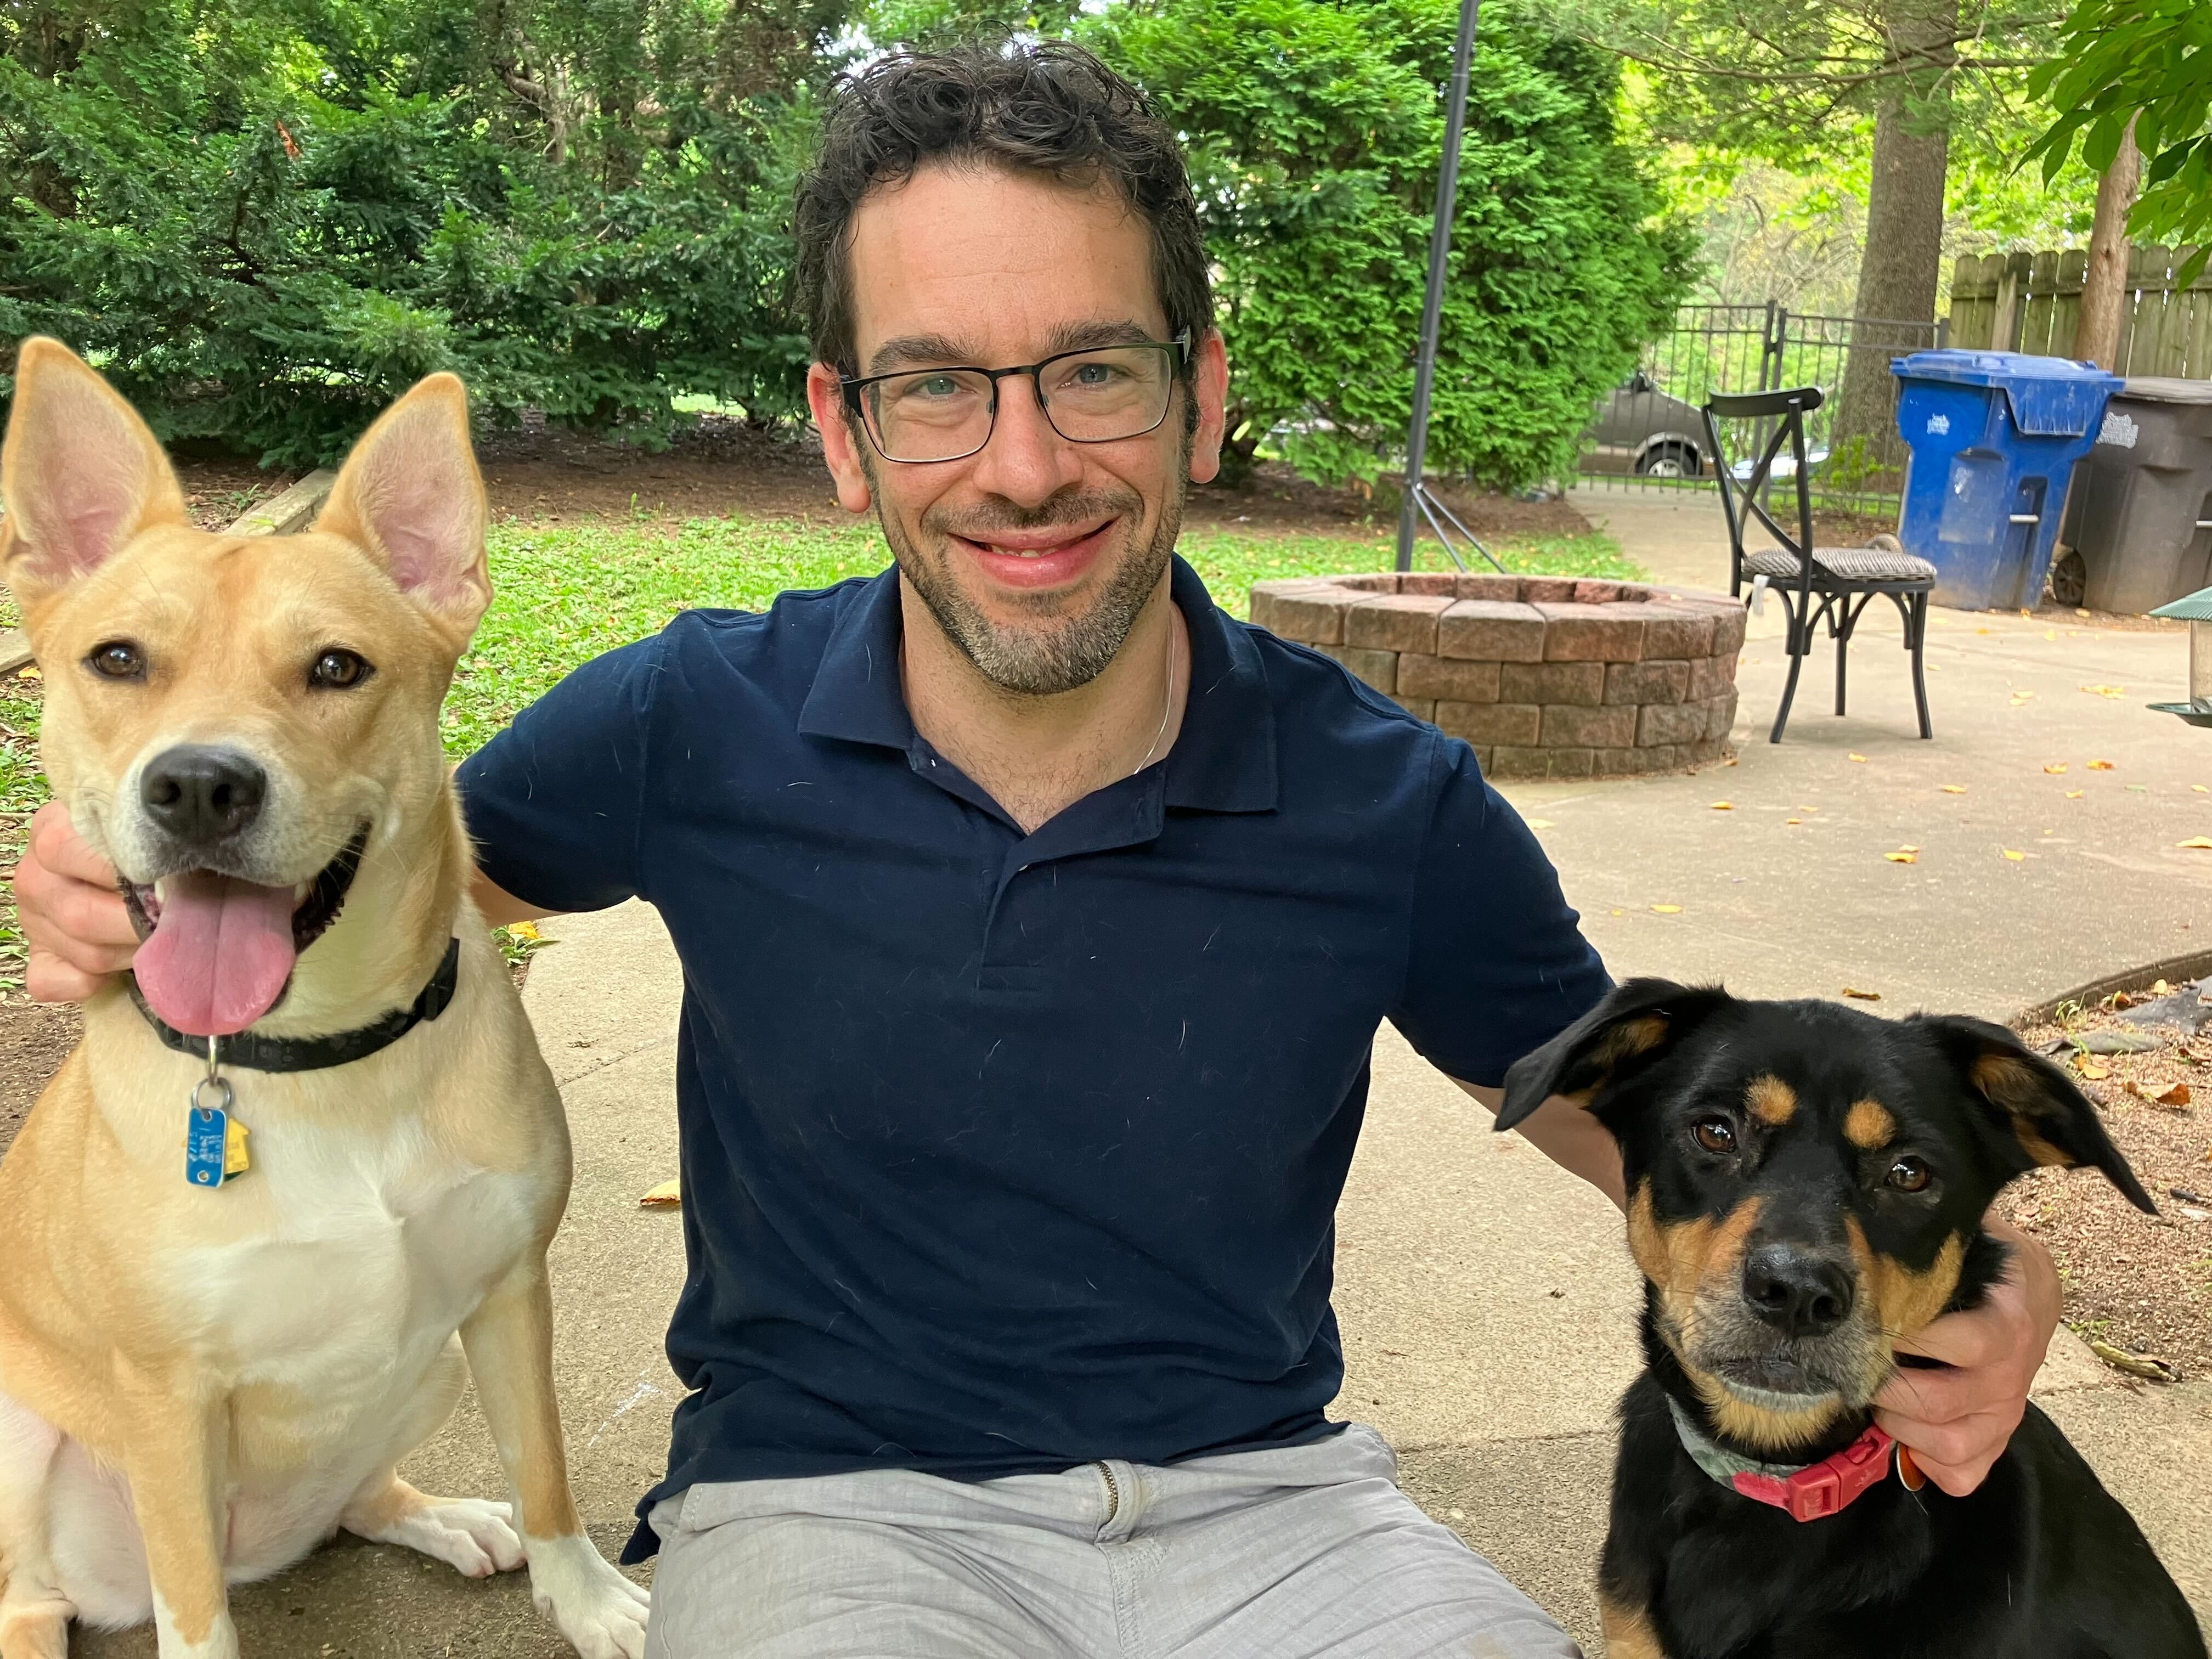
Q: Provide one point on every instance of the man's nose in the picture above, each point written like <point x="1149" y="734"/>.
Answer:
<point x="1026" y="460"/>
<point x="1800" y="1291"/>
<point x="201" y="794"/>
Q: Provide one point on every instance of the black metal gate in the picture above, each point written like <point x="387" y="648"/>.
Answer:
<point x="1648" y="434"/>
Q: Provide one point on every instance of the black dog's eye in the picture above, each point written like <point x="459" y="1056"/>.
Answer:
<point x="117" y="659"/>
<point x="1715" y="1134"/>
<point x="337" y="671"/>
<point x="1909" y="1175"/>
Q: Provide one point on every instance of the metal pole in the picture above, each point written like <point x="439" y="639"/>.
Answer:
<point x="1432" y="308"/>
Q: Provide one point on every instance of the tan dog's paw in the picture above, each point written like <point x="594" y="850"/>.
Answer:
<point x="600" y="1612"/>
<point x="474" y="1537"/>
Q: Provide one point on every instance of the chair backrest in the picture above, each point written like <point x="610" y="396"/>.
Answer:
<point x="1742" y="501"/>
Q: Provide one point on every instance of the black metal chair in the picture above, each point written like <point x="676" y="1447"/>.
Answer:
<point x="1843" y="580"/>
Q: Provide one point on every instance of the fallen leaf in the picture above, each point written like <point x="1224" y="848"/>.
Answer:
<point x="2055" y="768"/>
<point x="1723" y="806"/>
<point x="1667" y="909"/>
<point x="2135" y="1364"/>
<point x="2081" y="613"/>
<point x="2022" y="697"/>
<point x="1863" y="996"/>
<point x="1539" y="824"/>
<point x="1902" y="857"/>
<point x="1955" y="788"/>
<point x="1985" y="631"/>
<point x="1730" y="760"/>
<point x="2104" y="690"/>
<point x="2050" y="633"/>
<point x="2177" y="1096"/>
<point x="2201" y="841"/>
<point x="2076" y="794"/>
<point x="2138" y="789"/>
<point x="2100" y="766"/>
<point x="2159" y="988"/>
<point x="2090" y="1069"/>
<point x="1793" y="820"/>
<point x="662" y="1197"/>
<point x="2200" y="789"/>
<point x="1860" y="758"/>
<point x="29" y="674"/>
<point x="2014" y="857"/>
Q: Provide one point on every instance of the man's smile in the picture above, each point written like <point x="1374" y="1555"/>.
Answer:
<point x="1049" y="556"/>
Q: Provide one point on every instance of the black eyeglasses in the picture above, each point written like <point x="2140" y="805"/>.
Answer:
<point x="1096" y="397"/>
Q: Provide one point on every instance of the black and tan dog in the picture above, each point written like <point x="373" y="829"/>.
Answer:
<point x="1806" y="1186"/>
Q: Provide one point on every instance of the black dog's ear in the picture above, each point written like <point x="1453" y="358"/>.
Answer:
<point x="1638" y="1021"/>
<point x="2034" y="1104"/>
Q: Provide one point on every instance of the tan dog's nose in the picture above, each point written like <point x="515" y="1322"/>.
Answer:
<point x="201" y="794"/>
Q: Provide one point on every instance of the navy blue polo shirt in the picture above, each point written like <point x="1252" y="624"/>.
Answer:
<point x="1005" y="1152"/>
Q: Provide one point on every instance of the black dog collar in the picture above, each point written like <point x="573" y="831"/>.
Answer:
<point x="274" y="1053"/>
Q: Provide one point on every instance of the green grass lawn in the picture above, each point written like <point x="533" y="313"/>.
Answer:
<point x="566" y="592"/>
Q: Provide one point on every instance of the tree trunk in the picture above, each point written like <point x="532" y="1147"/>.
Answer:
<point x="2105" y="289"/>
<point x="1903" y="264"/>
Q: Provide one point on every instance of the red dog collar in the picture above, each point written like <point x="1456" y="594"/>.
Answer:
<point x="1809" y="1492"/>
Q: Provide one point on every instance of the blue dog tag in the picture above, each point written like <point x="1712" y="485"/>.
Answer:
<point x="207" y="1139"/>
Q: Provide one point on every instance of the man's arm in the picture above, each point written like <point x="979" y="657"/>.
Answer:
<point x="1570" y="1137"/>
<point x="77" y="931"/>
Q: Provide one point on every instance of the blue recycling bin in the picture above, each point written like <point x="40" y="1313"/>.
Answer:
<point x="1994" y="436"/>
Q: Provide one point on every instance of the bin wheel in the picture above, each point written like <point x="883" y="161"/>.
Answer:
<point x="2069" y="578"/>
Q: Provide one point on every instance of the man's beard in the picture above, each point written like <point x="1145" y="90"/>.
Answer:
<point x="1057" y="653"/>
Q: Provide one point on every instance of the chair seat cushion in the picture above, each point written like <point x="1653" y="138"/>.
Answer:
<point x="1855" y="564"/>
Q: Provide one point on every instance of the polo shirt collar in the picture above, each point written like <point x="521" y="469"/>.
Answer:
<point x="1224" y="758"/>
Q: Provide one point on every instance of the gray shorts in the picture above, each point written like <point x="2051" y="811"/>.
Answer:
<point x="1281" y="1554"/>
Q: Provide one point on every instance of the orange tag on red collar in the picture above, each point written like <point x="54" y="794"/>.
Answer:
<point x="1908" y="1471"/>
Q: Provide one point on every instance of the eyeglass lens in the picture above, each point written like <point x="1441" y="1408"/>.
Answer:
<point x="1091" y="397"/>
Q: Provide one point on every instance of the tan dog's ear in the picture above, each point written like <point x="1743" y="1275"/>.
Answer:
<point x="410" y="494"/>
<point x="80" y="472"/>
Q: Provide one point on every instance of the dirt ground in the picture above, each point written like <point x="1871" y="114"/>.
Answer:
<point x="2140" y="1283"/>
<point x="723" y="467"/>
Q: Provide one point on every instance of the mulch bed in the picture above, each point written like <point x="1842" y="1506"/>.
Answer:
<point x="2140" y="1283"/>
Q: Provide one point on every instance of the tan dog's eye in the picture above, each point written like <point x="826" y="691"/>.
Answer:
<point x="336" y="671"/>
<point x="1909" y="1175"/>
<point x="117" y="659"/>
<point x="1715" y="1134"/>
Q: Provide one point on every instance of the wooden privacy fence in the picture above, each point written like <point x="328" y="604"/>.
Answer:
<point x="2029" y="302"/>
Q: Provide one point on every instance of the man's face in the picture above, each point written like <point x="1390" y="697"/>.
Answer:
<point x="1034" y="555"/>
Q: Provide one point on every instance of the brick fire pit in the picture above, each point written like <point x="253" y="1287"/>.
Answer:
<point x="1545" y="676"/>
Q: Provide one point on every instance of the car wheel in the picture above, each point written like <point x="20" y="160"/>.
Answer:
<point x="1669" y="461"/>
<point x="2069" y="578"/>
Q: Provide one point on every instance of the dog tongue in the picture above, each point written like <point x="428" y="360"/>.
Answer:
<point x="220" y="954"/>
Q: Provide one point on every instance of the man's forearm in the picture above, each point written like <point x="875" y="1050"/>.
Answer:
<point x="1570" y="1137"/>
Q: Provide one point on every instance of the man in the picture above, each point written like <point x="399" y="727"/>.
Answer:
<point x="1037" y="919"/>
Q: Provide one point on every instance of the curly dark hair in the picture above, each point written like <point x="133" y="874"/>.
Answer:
<point x="1049" y="108"/>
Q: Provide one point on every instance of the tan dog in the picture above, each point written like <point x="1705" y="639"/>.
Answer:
<point x="199" y="1384"/>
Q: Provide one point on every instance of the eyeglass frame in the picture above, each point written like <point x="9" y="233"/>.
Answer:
<point x="853" y="385"/>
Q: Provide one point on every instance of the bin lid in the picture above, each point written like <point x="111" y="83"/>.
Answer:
<point x="2051" y="396"/>
<point x="2166" y="389"/>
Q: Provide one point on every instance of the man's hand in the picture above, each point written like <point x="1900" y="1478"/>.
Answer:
<point x="74" y="919"/>
<point x="1958" y="1420"/>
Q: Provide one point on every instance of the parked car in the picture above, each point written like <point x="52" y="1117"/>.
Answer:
<point x="1640" y="430"/>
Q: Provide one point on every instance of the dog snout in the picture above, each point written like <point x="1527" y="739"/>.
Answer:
<point x="1798" y="1292"/>
<point x="200" y="794"/>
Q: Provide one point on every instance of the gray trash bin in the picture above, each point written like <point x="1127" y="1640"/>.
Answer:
<point x="2139" y="521"/>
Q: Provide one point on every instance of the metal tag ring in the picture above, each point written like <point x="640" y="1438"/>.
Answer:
<point x="222" y="1105"/>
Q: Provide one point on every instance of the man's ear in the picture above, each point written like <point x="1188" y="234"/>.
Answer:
<point x="2035" y="1112"/>
<point x="410" y="494"/>
<point x="1637" y="1023"/>
<point x="80" y="472"/>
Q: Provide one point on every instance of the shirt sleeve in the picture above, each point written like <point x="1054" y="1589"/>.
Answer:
<point x="1497" y="965"/>
<point x="554" y="803"/>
